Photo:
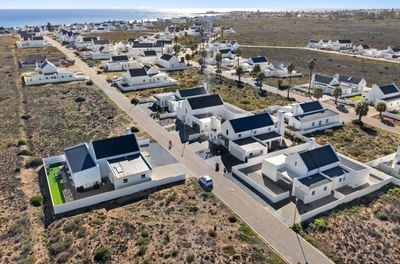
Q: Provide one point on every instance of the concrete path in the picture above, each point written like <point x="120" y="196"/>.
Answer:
<point x="290" y="246"/>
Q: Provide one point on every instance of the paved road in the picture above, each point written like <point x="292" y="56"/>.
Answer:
<point x="275" y="233"/>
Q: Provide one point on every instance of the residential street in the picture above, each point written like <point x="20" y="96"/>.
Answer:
<point x="275" y="233"/>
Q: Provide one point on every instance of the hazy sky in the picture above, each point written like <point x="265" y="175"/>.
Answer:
<point x="207" y="4"/>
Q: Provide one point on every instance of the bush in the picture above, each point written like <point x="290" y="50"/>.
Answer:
<point x="190" y="258"/>
<point x="21" y="142"/>
<point x="357" y="122"/>
<point x="26" y="116"/>
<point x="80" y="99"/>
<point x="232" y="219"/>
<point x="381" y="215"/>
<point x="33" y="163"/>
<point x="25" y="152"/>
<point x="319" y="225"/>
<point x="328" y="132"/>
<point x="230" y="250"/>
<point x="89" y="82"/>
<point x="102" y="254"/>
<point x="212" y="233"/>
<point x="135" y="129"/>
<point x="134" y="101"/>
<point x="36" y="200"/>
<point x="297" y="227"/>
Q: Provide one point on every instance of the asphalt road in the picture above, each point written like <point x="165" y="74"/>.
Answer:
<point x="290" y="246"/>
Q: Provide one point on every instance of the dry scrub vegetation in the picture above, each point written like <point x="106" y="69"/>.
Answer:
<point x="366" y="230"/>
<point x="362" y="143"/>
<point x="182" y="224"/>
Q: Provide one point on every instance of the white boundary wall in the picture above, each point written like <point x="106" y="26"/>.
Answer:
<point x="107" y="196"/>
<point x="394" y="116"/>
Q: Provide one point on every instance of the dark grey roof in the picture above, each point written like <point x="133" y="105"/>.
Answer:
<point x="119" y="58"/>
<point x="365" y="46"/>
<point x="251" y="122"/>
<point x="89" y="38"/>
<point x="348" y="79"/>
<point x="166" y="57"/>
<point x="319" y="157"/>
<point x="149" y="53"/>
<point x="110" y="147"/>
<point x="268" y="136"/>
<point x="37" y="38"/>
<point x="391" y="98"/>
<point x="142" y="45"/>
<point x="316" y="115"/>
<point x="314" y="180"/>
<point x="138" y="72"/>
<point x="246" y="141"/>
<point x="313" y="41"/>
<point x="79" y="158"/>
<point x="352" y="164"/>
<point x="101" y="42"/>
<point x="396" y="49"/>
<point x="224" y="51"/>
<point x="311" y="106"/>
<point x="388" y="89"/>
<point x="335" y="172"/>
<point x="205" y="101"/>
<point x="192" y="92"/>
<point x="259" y="59"/>
<point x="308" y="161"/>
<point x="344" y="41"/>
<point x="163" y="42"/>
<point x="322" y="79"/>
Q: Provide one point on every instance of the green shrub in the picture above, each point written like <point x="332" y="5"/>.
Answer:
<point x="319" y="225"/>
<point x="134" y="101"/>
<point x="381" y="215"/>
<point x="246" y="230"/>
<point x="394" y="191"/>
<point x="80" y="99"/>
<point x="102" y="254"/>
<point x="232" y="219"/>
<point x="190" y="258"/>
<point x="89" y="82"/>
<point x="21" y="142"/>
<point x="257" y="255"/>
<point x="212" y="233"/>
<point x="135" y="129"/>
<point x="36" y="200"/>
<point x="143" y="241"/>
<point x="25" y="152"/>
<point x="26" y="116"/>
<point x="230" y="250"/>
<point x="357" y="122"/>
<point x="328" y="132"/>
<point x="297" y="227"/>
<point x="33" y="163"/>
<point x="145" y="234"/>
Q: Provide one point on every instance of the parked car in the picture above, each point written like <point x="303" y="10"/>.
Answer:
<point x="206" y="180"/>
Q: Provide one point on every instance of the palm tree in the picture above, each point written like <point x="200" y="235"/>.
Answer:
<point x="279" y="83"/>
<point x="256" y="69"/>
<point x="318" y="92"/>
<point x="290" y="69"/>
<point x="239" y="72"/>
<point x="218" y="59"/>
<point x="260" y="78"/>
<point x="176" y="39"/>
<point x="201" y="62"/>
<point x="238" y="53"/>
<point x="176" y="48"/>
<point x="187" y="58"/>
<point x="337" y="92"/>
<point x="186" y="38"/>
<point x="381" y="107"/>
<point x="311" y="65"/>
<point x="361" y="109"/>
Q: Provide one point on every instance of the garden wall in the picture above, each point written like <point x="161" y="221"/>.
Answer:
<point x="394" y="116"/>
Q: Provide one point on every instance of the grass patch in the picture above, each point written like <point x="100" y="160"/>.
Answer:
<point x="56" y="187"/>
<point x="354" y="98"/>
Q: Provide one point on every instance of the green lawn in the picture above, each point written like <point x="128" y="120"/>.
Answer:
<point x="56" y="187"/>
<point x="354" y="98"/>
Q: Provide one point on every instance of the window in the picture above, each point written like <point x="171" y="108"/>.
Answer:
<point x="143" y="176"/>
<point x="269" y="129"/>
<point x="125" y="180"/>
<point x="295" y="163"/>
<point x="240" y="135"/>
<point x="185" y="110"/>
<point x="340" y="179"/>
<point x="325" y="188"/>
<point x="261" y="152"/>
<point x="251" y="155"/>
<point x="344" y="178"/>
<point x="255" y="132"/>
<point x="326" y="121"/>
<point x="313" y="124"/>
<point x="313" y="193"/>
<point x="227" y="132"/>
<point x="320" y="122"/>
<point x="144" y="80"/>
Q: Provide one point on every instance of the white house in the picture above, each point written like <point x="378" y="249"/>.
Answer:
<point x="314" y="172"/>
<point x="138" y="47"/>
<point x="48" y="73"/>
<point x="310" y="116"/>
<point x="362" y="49"/>
<point x="82" y="42"/>
<point x="120" y="160"/>
<point x="260" y="60"/>
<point x="170" y="62"/>
<point x="227" y="53"/>
<point x="325" y="43"/>
<point x="228" y="31"/>
<point x="354" y="84"/>
<point x="121" y="46"/>
<point x="328" y="84"/>
<point x="314" y="44"/>
<point x="103" y="52"/>
<point x="389" y="94"/>
<point x="280" y="70"/>
<point x="343" y="44"/>
<point x="143" y="78"/>
<point x="147" y="57"/>
<point x="120" y="63"/>
<point x="248" y="136"/>
<point x="32" y="41"/>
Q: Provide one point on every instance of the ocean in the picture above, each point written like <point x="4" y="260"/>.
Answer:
<point x="33" y="17"/>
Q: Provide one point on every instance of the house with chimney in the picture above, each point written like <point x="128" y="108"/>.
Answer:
<point x="388" y="94"/>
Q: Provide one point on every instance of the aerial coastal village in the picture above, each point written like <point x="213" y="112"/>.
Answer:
<point x="222" y="137"/>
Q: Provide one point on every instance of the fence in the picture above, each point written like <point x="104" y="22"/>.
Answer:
<point x="296" y="135"/>
<point x="107" y="196"/>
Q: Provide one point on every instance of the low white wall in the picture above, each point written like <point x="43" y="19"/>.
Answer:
<point x="167" y="115"/>
<point x="394" y="116"/>
<point x="374" y="163"/>
<point x="198" y="135"/>
<point x="297" y="135"/>
<point x="302" y="132"/>
<point x="171" y="82"/>
<point x="107" y="196"/>
<point x="344" y="101"/>
<point x="176" y="68"/>
<point x="53" y="160"/>
<point x="144" y="142"/>
<point x="273" y="198"/>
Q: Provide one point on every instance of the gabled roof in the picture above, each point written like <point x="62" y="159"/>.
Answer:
<point x="251" y="122"/>
<point x="259" y="59"/>
<point x="89" y="38"/>
<point x="347" y="79"/>
<point x="79" y="158"/>
<point x="37" y="38"/>
<point x="344" y="41"/>
<point x="314" y="181"/>
<point x="149" y="53"/>
<point x="142" y="45"/>
<point x="319" y="157"/>
<point x="322" y="79"/>
<point x="166" y="57"/>
<point x="280" y="64"/>
<point x="224" y="51"/>
<point x="311" y="106"/>
<point x="101" y="42"/>
<point x="116" y="146"/>
<point x="138" y="72"/>
<point x="365" y="46"/>
<point x="205" y="101"/>
<point x="192" y="92"/>
<point x="119" y="58"/>
<point x="313" y="41"/>
<point x="388" y="89"/>
<point x="316" y="115"/>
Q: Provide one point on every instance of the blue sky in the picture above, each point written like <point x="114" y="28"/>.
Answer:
<point x="206" y="4"/>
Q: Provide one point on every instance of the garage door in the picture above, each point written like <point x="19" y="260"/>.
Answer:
<point x="235" y="152"/>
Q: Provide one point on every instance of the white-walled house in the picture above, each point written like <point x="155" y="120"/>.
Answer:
<point x="227" y="53"/>
<point x="120" y="63"/>
<point x="315" y="171"/>
<point x="389" y="94"/>
<point x="280" y="70"/>
<point x="343" y="44"/>
<point x="170" y="62"/>
<point x="313" y="44"/>
<point x="228" y="31"/>
<point x="143" y="78"/>
<point x="147" y="57"/>
<point x="48" y="73"/>
<point x="31" y="41"/>
<point x="310" y="116"/>
<point x="350" y="84"/>
<point x="260" y="60"/>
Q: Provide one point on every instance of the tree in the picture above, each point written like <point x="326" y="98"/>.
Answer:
<point x="256" y="69"/>
<point x="290" y="69"/>
<point x="279" y="83"/>
<point x="176" y="49"/>
<point x="218" y="59"/>
<point x="381" y="107"/>
<point x="311" y="65"/>
<point x="337" y="92"/>
<point x="201" y="62"/>
<point x="361" y="109"/>
<point x="176" y="39"/>
<point x="318" y="92"/>
<point x="238" y="53"/>
<point x="239" y="72"/>
<point x="187" y="58"/>
<point x="186" y="38"/>
<point x="260" y="78"/>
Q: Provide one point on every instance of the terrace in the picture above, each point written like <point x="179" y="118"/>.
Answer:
<point x="56" y="183"/>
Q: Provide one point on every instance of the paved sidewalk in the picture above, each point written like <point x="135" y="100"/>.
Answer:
<point x="275" y="233"/>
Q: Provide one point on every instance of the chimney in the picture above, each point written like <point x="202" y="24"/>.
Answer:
<point x="128" y="131"/>
<point x="311" y="144"/>
<point x="281" y="123"/>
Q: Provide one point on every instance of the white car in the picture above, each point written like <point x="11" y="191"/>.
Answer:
<point x="206" y="180"/>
